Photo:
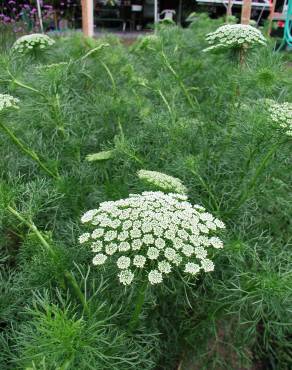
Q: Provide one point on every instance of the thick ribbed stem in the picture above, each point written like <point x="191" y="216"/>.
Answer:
<point x="27" y="151"/>
<point x="138" y="307"/>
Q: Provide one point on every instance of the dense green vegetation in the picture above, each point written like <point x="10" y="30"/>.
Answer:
<point x="163" y="105"/>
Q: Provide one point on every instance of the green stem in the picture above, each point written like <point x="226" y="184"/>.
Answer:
<point x="57" y="112"/>
<point x="110" y="76"/>
<point x="21" y="84"/>
<point x="72" y="281"/>
<point x="251" y="156"/>
<point x="167" y="104"/>
<point x="247" y="192"/>
<point x="67" y="363"/>
<point x="181" y="83"/>
<point x="138" y="307"/>
<point x="28" y="151"/>
<point x="34" y="229"/>
<point x="132" y="155"/>
<point x="242" y="56"/>
<point x="99" y="47"/>
<point x="67" y="274"/>
<point x="207" y="188"/>
<point x="121" y="130"/>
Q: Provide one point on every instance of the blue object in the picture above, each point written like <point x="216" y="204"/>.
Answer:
<point x="287" y="38"/>
<point x="288" y="25"/>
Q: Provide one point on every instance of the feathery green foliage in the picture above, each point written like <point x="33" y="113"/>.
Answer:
<point x="161" y="105"/>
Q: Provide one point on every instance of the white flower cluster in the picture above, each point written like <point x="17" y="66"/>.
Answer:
<point x="151" y="234"/>
<point x="162" y="181"/>
<point x="235" y="36"/>
<point x="7" y="101"/>
<point x="34" y="41"/>
<point x="281" y="114"/>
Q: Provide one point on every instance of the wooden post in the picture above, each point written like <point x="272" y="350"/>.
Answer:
<point x="229" y="8"/>
<point x="87" y="17"/>
<point x="40" y="16"/>
<point x="156" y="15"/>
<point x="245" y="12"/>
<point x="271" y="16"/>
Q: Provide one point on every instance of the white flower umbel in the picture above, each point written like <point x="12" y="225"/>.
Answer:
<point x="232" y="36"/>
<point x="164" y="267"/>
<point x="155" y="277"/>
<point x="8" y="101"/>
<point x="83" y="238"/>
<point x="27" y="43"/>
<point x="139" y="261"/>
<point x="192" y="268"/>
<point x="99" y="259"/>
<point x="151" y="234"/>
<point x="123" y="262"/>
<point x="281" y="114"/>
<point x="126" y="277"/>
<point x="162" y="181"/>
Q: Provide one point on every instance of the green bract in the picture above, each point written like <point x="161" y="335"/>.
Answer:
<point x="235" y="36"/>
<point x="28" y="43"/>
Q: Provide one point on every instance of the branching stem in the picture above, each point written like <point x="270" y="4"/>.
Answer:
<point x="34" y="229"/>
<point x="25" y="149"/>
<point x="69" y="277"/>
<point x="180" y="82"/>
<point x="24" y="86"/>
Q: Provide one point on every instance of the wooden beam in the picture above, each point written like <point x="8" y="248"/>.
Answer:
<point x="246" y="12"/>
<point x="229" y="8"/>
<point x="40" y="16"/>
<point x="271" y="16"/>
<point x="87" y="18"/>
